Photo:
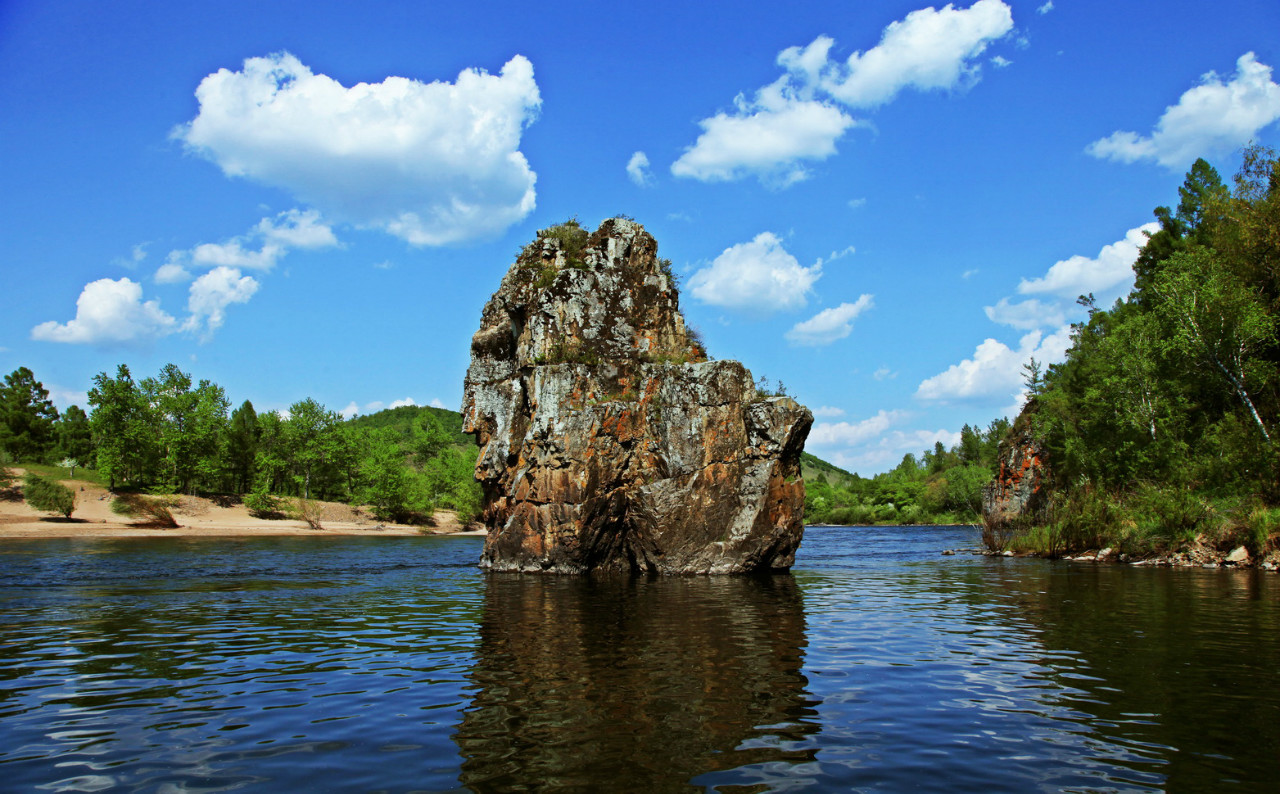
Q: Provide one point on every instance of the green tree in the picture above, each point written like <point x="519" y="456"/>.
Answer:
<point x="1218" y="320"/>
<point x="190" y="426"/>
<point x="75" y="435"/>
<point x="27" y="417"/>
<point x="388" y="486"/>
<point x="312" y="435"/>
<point x="122" y="428"/>
<point x="243" y="434"/>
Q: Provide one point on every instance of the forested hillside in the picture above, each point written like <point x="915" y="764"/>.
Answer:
<point x="1160" y="425"/>
<point x="169" y="434"/>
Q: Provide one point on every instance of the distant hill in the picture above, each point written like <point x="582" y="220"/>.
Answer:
<point x="811" y="466"/>
<point x="403" y="419"/>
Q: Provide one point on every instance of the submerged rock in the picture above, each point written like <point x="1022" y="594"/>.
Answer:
<point x="608" y="440"/>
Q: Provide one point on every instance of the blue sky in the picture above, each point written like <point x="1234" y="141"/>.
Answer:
<point x="886" y="205"/>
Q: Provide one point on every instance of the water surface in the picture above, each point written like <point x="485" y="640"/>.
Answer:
<point x="394" y="664"/>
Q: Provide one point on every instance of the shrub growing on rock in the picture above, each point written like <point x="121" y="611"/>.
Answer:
<point x="48" y="496"/>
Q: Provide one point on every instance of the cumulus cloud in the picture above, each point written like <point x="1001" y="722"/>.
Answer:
<point x="828" y="411"/>
<point x="432" y="163"/>
<point x="930" y="49"/>
<point x="850" y="433"/>
<point x="1110" y="273"/>
<point x="768" y="139"/>
<point x="297" y="228"/>
<point x="1026" y="315"/>
<point x="999" y="61"/>
<point x="758" y="276"/>
<point x="351" y="410"/>
<point x="995" y="369"/>
<point x="797" y="119"/>
<point x="110" y="313"/>
<point x="829" y="325"/>
<point x="1214" y="116"/>
<point x="172" y="273"/>
<point x="1046" y="8"/>
<point x="402" y="403"/>
<point x="261" y="248"/>
<point x="875" y="443"/>
<point x="437" y="403"/>
<point x="211" y="294"/>
<point x="638" y="169"/>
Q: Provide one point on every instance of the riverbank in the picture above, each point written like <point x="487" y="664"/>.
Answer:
<point x="201" y="517"/>
<point x="1194" y="556"/>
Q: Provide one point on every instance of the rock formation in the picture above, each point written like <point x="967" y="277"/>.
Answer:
<point x="1019" y="495"/>
<point x="608" y="441"/>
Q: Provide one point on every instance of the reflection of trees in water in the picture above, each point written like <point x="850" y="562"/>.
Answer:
<point x="1179" y="665"/>
<point x="586" y="683"/>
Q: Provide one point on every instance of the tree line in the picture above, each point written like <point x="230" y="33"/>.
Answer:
<point x="1161" y="423"/>
<point x="940" y="486"/>
<point x="170" y="434"/>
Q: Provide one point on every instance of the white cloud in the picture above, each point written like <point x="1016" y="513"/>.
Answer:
<point x="995" y="369"/>
<point x="297" y="228"/>
<point x="211" y="294"/>
<point x="172" y="273"/>
<point x="433" y="163"/>
<point x="851" y="433"/>
<point x="261" y="248"/>
<point x="1109" y="274"/>
<point x="65" y="398"/>
<point x="766" y="138"/>
<point x="233" y="254"/>
<point x="107" y="313"/>
<point x="828" y="411"/>
<point x="437" y="403"/>
<point x="1211" y="117"/>
<point x="351" y="410"/>
<point x="756" y="276"/>
<point x="797" y="119"/>
<point x="638" y="169"/>
<point x="1046" y="8"/>
<point x="402" y="403"/>
<point x="930" y="49"/>
<point x="1026" y="315"/>
<point x="969" y="274"/>
<point x="857" y="203"/>
<point x="829" y="325"/>
<point x="999" y="61"/>
<point x="884" y="373"/>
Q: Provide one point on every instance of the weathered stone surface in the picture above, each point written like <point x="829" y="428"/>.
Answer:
<point x="1019" y="494"/>
<point x="608" y="441"/>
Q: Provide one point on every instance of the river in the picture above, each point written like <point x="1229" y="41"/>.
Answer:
<point x="394" y="664"/>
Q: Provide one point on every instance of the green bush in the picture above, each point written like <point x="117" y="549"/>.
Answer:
<point x="1261" y="526"/>
<point x="48" y="496"/>
<point x="153" y="510"/>
<point x="1170" y="517"/>
<point x="263" y="505"/>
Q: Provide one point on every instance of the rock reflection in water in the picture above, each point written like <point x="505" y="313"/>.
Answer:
<point x="586" y="683"/>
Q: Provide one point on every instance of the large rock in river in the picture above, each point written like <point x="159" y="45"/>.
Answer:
<point x="608" y="441"/>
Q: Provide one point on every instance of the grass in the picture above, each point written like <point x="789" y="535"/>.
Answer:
<point x="1149" y="520"/>
<point x="61" y="473"/>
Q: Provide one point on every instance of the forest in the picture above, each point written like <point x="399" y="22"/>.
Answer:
<point x="171" y="435"/>
<point x="1160" y="424"/>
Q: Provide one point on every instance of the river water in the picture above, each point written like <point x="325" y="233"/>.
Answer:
<point x="394" y="664"/>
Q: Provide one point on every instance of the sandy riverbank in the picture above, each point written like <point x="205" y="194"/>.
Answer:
<point x="198" y="517"/>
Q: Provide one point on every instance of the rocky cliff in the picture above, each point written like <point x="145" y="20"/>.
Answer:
<point x="1019" y="494"/>
<point x="608" y="440"/>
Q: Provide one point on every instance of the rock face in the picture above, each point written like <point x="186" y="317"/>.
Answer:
<point x="1019" y="495"/>
<point x="608" y="441"/>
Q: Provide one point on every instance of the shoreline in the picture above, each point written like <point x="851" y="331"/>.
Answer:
<point x="201" y="517"/>
<point x="1198" y="557"/>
